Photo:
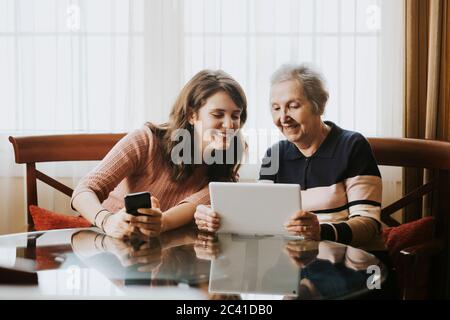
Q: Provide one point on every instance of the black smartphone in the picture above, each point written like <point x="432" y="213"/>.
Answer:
<point x="134" y="201"/>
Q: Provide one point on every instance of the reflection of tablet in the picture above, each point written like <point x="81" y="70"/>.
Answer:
<point x="254" y="265"/>
<point x="254" y="208"/>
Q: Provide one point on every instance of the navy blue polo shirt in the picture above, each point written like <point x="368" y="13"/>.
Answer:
<point x="339" y="181"/>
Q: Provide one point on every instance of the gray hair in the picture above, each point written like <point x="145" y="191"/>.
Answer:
<point x="311" y="81"/>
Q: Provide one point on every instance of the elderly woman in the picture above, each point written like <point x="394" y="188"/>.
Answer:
<point x="340" y="180"/>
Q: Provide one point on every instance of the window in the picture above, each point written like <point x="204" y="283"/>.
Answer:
<point x="356" y="44"/>
<point x="111" y="65"/>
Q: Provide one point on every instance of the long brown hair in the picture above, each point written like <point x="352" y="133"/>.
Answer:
<point x="192" y="97"/>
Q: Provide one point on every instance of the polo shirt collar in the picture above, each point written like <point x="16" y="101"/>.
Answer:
<point x="326" y="149"/>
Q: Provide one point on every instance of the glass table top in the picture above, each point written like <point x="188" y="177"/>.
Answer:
<point x="181" y="264"/>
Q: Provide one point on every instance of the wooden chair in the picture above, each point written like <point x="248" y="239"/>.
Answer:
<point x="435" y="155"/>
<point x="69" y="147"/>
<point x="400" y="152"/>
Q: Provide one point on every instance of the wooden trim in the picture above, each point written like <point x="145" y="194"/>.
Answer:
<point x="442" y="226"/>
<point x="403" y="202"/>
<point x="388" y="220"/>
<point x="69" y="147"/>
<point x="414" y="153"/>
<point x="54" y="183"/>
<point x="442" y="212"/>
<point x="425" y="250"/>
<point x="31" y="190"/>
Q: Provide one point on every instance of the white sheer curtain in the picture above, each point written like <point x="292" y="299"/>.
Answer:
<point x="81" y="66"/>
<point x="111" y="65"/>
<point x="357" y="44"/>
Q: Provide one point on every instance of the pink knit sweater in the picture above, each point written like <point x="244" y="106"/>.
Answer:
<point x="134" y="165"/>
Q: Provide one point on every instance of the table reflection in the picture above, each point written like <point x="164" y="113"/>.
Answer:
<point x="255" y="265"/>
<point x="225" y="266"/>
<point x="292" y="269"/>
<point x="165" y="261"/>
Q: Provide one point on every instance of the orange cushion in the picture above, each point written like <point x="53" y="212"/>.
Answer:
<point x="409" y="234"/>
<point x="47" y="220"/>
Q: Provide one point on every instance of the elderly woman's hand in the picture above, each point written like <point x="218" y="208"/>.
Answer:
<point x="206" y="219"/>
<point x="301" y="253"/>
<point x="304" y="223"/>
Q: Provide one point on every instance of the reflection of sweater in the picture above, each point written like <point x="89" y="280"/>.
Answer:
<point x="340" y="183"/>
<point x="135" y="164"/>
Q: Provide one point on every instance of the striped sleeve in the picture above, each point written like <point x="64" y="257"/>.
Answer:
<point x="363" y="187"/>
<point x="356" y="231"/>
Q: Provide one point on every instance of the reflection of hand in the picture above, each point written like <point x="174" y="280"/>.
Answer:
<point x="301" y="253"/>
<point x="206" y="247"/>
<point x="206" y="219"/>
<point x="130" y="252"/>
<point x="148" y="256"/>
<point x="304" y="223"/>
<point x="120" y="248"/>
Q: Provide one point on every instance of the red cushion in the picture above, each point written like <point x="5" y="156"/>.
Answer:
<point x="47" y="220"/>
<point x="409" y="234"/>
<point x="402" y="237"/>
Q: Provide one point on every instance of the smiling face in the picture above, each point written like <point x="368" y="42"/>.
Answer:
<point x="292" y="113"/>
<point x="217" y="121"/>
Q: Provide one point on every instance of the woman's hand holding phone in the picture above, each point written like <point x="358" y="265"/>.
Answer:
<point x="145" y="254"/>
<point x="149" y="220"/>
<point x="143" y="221"/>
<point x="118" y="225"/>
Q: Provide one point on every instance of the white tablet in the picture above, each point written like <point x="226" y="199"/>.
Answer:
<point x="254" y="208"/>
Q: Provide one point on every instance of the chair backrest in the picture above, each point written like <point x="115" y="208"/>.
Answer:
<point x="400" y="152"/>
<point x="55" y="148"/>
<point x="414" y="153"/>
<point x="424" y="266"/>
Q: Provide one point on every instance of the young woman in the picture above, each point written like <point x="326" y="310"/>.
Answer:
<point x="174" y="161"/>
